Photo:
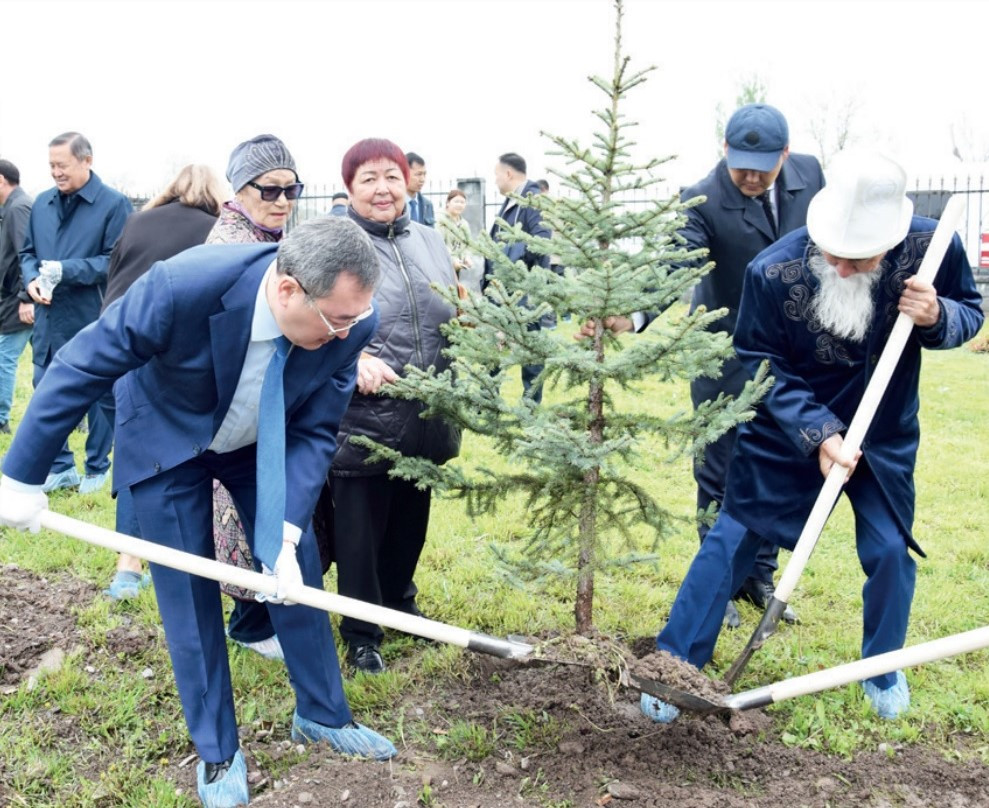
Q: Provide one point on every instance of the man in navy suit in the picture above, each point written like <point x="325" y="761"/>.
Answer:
<point x="758" y="193"/>
<point x="420" y="208"/>
<point x="188" y="346"/>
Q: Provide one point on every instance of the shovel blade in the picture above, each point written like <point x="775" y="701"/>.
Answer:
<point x="690" y="702"/>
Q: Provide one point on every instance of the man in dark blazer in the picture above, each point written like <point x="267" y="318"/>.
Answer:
<point x="189" y="343"/>
<point x="420" y="208"/>
<point x="512" y="181"/>
<point x="758" y="193"/>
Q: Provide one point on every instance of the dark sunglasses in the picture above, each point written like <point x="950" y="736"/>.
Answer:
<point x="269" y="193"/>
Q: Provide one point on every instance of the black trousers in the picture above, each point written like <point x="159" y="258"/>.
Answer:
<point x="379" y="529"/>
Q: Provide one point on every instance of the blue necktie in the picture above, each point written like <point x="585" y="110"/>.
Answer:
<point x="270" y="512"/>
<point x="414" y="209"/>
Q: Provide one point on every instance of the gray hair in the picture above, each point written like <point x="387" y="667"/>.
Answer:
<point x="81" y="147"/>
<point x="317" y="251"/>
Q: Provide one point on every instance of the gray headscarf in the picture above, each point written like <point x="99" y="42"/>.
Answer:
<point x="257" y="156"/>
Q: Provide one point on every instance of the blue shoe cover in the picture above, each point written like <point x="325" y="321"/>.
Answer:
<point x="126" y="585"/>
<point x="62" y="479"/>
<point x="227" y="792"/>
<point x="658" y="710"/>
<point x="891" y="702"/>
<point x="353" y="740"/>
<point x="93" y="482"/>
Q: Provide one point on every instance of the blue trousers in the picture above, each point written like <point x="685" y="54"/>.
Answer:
<point x="175" y="509"/>
<point x="11" y="347"/>
<point x="728" y="552"/>
<point x="99" y="441"/>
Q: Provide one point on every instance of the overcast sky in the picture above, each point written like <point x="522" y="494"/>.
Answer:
<point x="155" y="85"/>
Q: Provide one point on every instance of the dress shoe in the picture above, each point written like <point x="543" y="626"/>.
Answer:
<point x="760" y="593"/>
<point x="658" y="710"/>
<point x="366" y="658"/>
<point x="732" y="620"/>
<point x="351" y="739"/>
<point x="223" y="785"/>
<point x="61" y="479"/>
<point x="891" y="702"/>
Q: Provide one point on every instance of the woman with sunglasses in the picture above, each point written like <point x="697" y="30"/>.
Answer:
<point x="375" y="524"/>
<point x="262" y="173"/>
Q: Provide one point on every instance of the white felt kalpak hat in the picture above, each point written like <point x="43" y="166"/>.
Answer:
<point x="863" y="210"/>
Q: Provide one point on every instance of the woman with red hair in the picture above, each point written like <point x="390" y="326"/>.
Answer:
<point x="376" y="524"/>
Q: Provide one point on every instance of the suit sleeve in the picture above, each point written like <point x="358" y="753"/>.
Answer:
<point x="17" y="221"/>
<point x="28" y="253"/>
<point x="534" y="226"/>
<point x="92" y="271"/>
<point x="127" y="336"/>
<point x="761" y="335"/>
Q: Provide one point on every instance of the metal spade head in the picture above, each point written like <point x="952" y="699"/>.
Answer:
<point x="671" y="695"/>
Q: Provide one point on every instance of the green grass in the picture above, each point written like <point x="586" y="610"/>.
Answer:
<point x="131" y="725"/>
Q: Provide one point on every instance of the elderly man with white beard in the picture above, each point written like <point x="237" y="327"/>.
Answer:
<point x="819" y="306"/>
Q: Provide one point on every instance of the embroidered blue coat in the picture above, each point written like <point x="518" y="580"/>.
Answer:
<point x="774" y="477"/>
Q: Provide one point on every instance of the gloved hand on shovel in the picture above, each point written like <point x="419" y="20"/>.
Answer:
<point x="21" y="504"/>
<point x="286" y="569"/>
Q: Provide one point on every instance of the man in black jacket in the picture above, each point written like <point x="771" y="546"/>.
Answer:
<point x="756" y="194"/>
<point x="510" y="177"/>
<point x="16" y="308"/>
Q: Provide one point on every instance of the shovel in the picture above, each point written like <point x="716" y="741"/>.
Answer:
<point x="306" y="595"/>
<point x="820" y="680"/>
<point x="936" y="251"/>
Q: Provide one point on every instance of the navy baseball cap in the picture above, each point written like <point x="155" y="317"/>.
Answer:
<point x="756" y="136"/>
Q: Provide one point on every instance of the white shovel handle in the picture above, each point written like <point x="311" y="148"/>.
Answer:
<point x="306" y="595"/>
<point x="878" y="383"/>
<point x="861" y="669"/>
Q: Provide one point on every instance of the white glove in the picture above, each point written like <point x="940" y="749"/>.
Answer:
<point x="288" y="574"/>
<point x="21" y="504"/>
<point x="50" y="275"/>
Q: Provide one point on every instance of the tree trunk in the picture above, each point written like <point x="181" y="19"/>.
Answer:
<point x="584" y="605"/>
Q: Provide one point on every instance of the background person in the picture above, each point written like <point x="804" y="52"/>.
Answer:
<point x="262" y="173"/>
<point x="510" y="177"/>
<point x="455" y="231"/>
<point x="16" y="308"/>
<point x="420" y="208"/>
<point x="187" y="417"/>
<point x="819" y="306"/>
<point x="64" y="261"/>
<point x="338" y="204"/>
<point x="178" y="218"/>
<point x="377" y="525"/>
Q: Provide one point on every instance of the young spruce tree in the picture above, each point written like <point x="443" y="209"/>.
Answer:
<point x="575" y="457"/>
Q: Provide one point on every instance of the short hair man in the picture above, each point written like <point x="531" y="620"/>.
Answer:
<point x="510" y="177"/>
<point x="339" y="202"/>
<point x="64" y="262"/>
<point x="420" y="208"/>
<point x="16" y="308"/>
<point x="756" y="194"/>
<point x="188" y="346"/>
<point x="819" y="306"/>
